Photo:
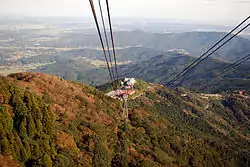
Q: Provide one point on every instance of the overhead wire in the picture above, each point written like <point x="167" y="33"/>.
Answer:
<point x="199" y="60"/>
<point x="100" y="36"/>
<point x="212" y="52"/>
<point x="212" y="47"/>
<point x="112" y="39"/>
<point x="125" y="109"/>
<point x="191" y="68"/>
<point x="106" y="38"/>
<point x="231" y="66"/>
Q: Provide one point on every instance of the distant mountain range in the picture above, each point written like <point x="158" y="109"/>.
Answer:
<point x="195" y="43"/>
<point x="153" y="57"/>
<point x="158" y="68"/>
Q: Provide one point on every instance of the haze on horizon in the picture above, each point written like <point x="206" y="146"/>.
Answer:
<point x="223" y="12"/>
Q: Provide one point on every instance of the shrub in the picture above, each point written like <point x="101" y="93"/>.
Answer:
<point x="101" y="156"/>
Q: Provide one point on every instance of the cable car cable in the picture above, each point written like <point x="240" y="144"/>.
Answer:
<point x="184" y="70"/>
<point x="231" y="66"/>
<point x="112" y="39"/>
<point x="100" y="36"/>
<point x="106" y="38"/>
<point x="191" y="68"/>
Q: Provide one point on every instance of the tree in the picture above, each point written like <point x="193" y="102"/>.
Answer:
<point x="39" y="126"/>
<point x="47" y="161"/>
<point x="36" y="151"/>
<point x="101" y="156"/>
<point x="31" y="127"/>
<point x="61" y="161"/>
<point x="22" y="129"/>
<point x="48" y="121"/>
<point x="5" y="148"/>
<point x="6" y="120"/>
<point x="27" y="148"/>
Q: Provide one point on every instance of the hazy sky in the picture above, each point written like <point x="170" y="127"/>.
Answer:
<point x="210" y="11"/>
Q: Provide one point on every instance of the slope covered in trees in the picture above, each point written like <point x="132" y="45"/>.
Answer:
<point x="163" y="67"/>
<point x="45" y="121"/>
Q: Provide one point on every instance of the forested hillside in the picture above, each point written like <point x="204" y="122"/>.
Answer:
<point x="45" y="121"/>
<point x="161" y="69"/>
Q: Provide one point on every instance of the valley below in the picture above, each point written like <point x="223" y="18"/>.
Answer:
<point x="73" y="53"/>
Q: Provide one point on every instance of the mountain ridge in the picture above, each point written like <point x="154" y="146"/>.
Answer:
<point x="196" y="42"/>
<point x="166" y="127"/>
<point x="162" y="67"/>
